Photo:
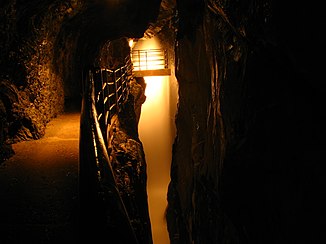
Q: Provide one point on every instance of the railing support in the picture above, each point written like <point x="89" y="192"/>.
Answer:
<point x="98" y="192"/>
<point x="103" y="80"/>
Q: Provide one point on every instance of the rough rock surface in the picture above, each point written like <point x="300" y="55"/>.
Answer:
<point x="129" y="164"/>
<point x="45" y="47"/>
<point x="246" y="162"/>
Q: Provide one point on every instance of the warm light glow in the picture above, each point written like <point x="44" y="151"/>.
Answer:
<point x="148" y="55"/>
<point x="148" y="59"/>
<point x="144" y="43"/>
<point x="155" y="133"/>
<point x="131" y="43"/>
<point x="154" y="86"/>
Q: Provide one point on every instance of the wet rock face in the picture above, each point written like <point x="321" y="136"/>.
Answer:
<point x="129" y="164"/>
<point x="45" y="47"/>
<point x="242" y="146"/>
<point x="250" y="124"/>
<point x="26" y="63"/>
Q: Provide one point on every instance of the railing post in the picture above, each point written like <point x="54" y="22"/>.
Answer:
<point x="122" y="82"/>
<point x="103" y="96"/>
<point x="116" y="90"/>
<point x="112" y="103"/>
<point x="107" y="86"/>
<point x="98" y="190"/>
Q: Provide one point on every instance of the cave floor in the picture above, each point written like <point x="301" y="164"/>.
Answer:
<point x="38" y="186"/>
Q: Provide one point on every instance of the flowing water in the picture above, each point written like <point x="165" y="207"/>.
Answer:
<point x="156" y="131"/>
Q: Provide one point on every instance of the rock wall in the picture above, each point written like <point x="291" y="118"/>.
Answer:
<point x="244" y="149"/>
<point x="31" y="91"/>
<point x="250" y="124"/>
<point x="129" y="164"/>
<point x="46" y="45"/>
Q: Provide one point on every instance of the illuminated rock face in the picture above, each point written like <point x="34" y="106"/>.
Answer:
<point x="46" y="47"/>
<point x="129" y="165"/>
<point x="44" y="50"/>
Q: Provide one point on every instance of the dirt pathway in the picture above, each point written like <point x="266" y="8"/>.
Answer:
<point x="38" y="187"/>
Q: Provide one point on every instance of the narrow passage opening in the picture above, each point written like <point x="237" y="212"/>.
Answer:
<point x="157" y="133"/>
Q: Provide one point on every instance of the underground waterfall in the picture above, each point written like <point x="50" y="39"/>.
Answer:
<point x="157" y="132"/>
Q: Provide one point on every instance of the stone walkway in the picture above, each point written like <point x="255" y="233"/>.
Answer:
<point x="38" y="187"/>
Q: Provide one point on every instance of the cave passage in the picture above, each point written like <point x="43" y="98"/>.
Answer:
<point x="247" y="164"/>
